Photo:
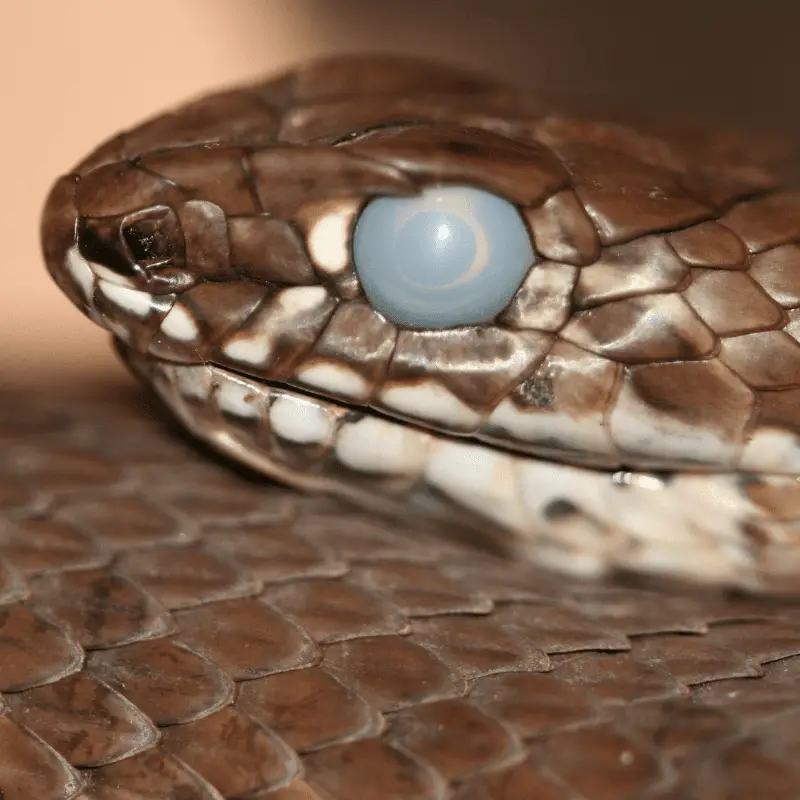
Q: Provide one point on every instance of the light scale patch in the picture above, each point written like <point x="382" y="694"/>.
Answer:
<point x="255" y="347"/>
<point x="478" y="478"/>
<point x="336" y="379"/>
<point x="301" y="420"/>
<point x="649" y="515"/>
<point x="81" y="272"/>
<point x="118" y="329"/>
<point x="565" y="509"/>
<point x="691" y="526"/>
<point x="771" y="450"/>
<point x="573" y="551"/>
<point x="638" y="429"/>
<point x="132" y="300"/>
<point x="180" y="325"/>
<point x="193" y="382"/>
<point x="385" y="448"/>
<point x="428" y="400"/>
<point x="253" y="350"/>
<point x="552" y="429"/>
<point x="701" y="562"/>
<point x="544" y="486"/>
<point x="328" y="237"/>
<point x="715" y="504"/>
<point x="237" y="397"/>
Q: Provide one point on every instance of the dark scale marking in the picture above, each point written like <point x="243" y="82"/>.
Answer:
<point x="99" y="241"/>
<point x="538" y="391"/>
<point x="560" y="508"/>
<point x="464" y="149"/>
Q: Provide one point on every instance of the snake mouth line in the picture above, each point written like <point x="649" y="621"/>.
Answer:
<point x="353" y="412"/>
<point x="569" y="517"/>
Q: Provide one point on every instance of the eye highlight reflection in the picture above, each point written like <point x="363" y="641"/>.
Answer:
<point x="454" y="255"/>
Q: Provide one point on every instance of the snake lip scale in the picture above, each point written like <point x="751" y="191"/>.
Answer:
<point x="631" y="401"/>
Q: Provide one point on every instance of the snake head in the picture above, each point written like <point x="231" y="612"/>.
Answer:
<point x="644" y="313"/>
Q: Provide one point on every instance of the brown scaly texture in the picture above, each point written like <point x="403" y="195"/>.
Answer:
<point x="170" y="629"/>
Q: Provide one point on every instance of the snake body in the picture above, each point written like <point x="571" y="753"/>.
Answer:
<point x="635" y="405"/>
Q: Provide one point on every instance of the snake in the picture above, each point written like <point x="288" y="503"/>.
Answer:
<point x="406" y="284"/>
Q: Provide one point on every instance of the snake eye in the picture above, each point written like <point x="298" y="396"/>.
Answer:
<point x="453" y="255"/>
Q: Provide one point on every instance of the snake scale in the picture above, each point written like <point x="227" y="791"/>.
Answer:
<point x="632" y="407"/>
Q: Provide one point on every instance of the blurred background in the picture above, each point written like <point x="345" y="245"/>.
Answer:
<point x="73" y="73"/>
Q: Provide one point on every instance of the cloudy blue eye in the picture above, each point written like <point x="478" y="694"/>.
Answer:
<point x="453" y="255"/>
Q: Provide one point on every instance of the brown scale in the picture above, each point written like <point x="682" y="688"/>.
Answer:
<point x="278" y="334"/>
<point x="766" y="222"/>
<point x="642" y="329"/>
<point x="287" y="178"/>
<point x="482" y="365"/>
<point x="563" y="231"/>
<point x="576" y="387"/>
<point x="525" y="173"/>
<point x="252" y="236"/>
<point x="764" y="360"/>
<point x="644" y="266"/>
<point x="336" y="120"/>
<point x="732" y="303"/>
<point x="543" y="301"/>
<point x="709" y="244"/>
<point x="702" y="395"/>
<point x="215" y="309"/>
<point x="625" y="197"/>
<point x="216" y="175"/>
<point x="358" y="336"/>
<point x="778" y="272"/>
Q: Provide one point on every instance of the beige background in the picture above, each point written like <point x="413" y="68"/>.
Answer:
<point x="74" y="72"/>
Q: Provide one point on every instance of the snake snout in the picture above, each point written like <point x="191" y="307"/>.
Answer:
<point x="123" y="269"/>
<point x="59" y="239"/>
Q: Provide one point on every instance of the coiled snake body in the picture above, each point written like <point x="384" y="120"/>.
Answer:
<point x="632" y="406"/>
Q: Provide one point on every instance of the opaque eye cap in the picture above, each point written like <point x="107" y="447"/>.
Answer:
<point x="452" y="256"/>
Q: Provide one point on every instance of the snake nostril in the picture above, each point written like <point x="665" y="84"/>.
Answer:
<point x="152" y="237"/>
<point x="144" y="248"/>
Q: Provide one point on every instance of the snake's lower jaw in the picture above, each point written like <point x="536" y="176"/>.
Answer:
<point x="704" y="528"/>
